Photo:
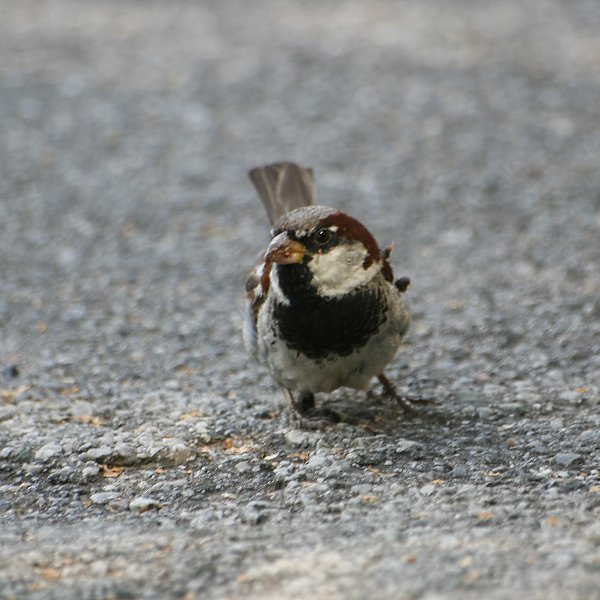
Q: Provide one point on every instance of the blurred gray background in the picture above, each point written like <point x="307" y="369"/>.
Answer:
<point x="142" y="454"/>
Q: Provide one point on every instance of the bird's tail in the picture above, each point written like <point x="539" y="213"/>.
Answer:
<point x="282" y="187"/>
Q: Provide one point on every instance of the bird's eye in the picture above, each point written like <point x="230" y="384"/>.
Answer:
<point x="323" y="236"/>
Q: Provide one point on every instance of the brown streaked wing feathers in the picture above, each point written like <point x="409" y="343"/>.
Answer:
<point x="282" y="187"/>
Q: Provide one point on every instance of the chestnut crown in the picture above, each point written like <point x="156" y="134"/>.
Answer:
<point x="321" y="228"/>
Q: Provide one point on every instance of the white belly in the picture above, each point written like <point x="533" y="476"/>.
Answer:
<point x="297" y="372"/>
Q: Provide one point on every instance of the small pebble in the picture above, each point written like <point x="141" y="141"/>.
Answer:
<point x="98" y="454"/>
<point x="243" y="467"/>
<point x="90" y="472"/>
<point x="125" y="454"/>
<point x="143" y="504"/>
<point x="172" y="384"/>
<point x="48" y="451"/>
<point x="483" y="412"/>
<point x="11" y="372"/>
<point x="362" y="489"/>
<point x="33" y="469"/>
<point x="316" y="461"/>
<point x="539" y="448"/>
<point x="459" y="471"/>
<point x="297" y="437"/>
<point x="564" y="459"/>
<point x="175" y="451"/>
<point x="527" y="397"/>
<point x="571" y="397"/>
<point x="103" y="497"/>
<point x="254" y="513"/>
<point x="405" y="445"/>
<point x="427" y="490"/>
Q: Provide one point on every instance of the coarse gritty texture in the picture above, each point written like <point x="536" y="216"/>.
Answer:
<point x="142" y="455"/>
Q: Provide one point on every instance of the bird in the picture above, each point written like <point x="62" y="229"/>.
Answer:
<point x="323" y="309"/>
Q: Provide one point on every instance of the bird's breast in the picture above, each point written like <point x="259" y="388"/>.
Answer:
<point x="320" y="327"/>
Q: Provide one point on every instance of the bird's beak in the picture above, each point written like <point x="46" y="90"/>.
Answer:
<point x="284" y="251"/>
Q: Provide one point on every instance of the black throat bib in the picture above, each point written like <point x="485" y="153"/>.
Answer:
<point x="317" y="326"/>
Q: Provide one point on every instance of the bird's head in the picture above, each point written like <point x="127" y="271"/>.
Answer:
<point x="339" y="253"/>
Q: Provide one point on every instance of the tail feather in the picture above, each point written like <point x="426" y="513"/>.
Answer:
<point x="282" y="187"/>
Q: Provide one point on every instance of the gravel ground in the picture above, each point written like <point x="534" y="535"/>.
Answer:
<point x="142" y="455"/>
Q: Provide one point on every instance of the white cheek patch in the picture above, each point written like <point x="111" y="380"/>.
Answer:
<point x="257" y="289"/>
<point x="341" y="269"/>
<point x="276" y="288"/>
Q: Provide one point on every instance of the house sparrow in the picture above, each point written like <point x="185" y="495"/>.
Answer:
<point x="323" y="309"/>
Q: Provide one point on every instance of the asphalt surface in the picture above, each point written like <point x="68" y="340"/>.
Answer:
<point x="142" y="454"/>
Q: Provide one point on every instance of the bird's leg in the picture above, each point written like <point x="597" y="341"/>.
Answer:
<point x="310" y="416"/>
<point x="304" y="403"/>
<point x="407" y="403"/>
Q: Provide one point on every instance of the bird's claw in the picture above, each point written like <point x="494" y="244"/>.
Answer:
<point x="407" y="403"/>
<point x="310" y="417"/>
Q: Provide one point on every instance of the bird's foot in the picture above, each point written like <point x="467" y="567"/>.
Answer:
<point x="407" y="403"/>
<point x="308" y="416"/>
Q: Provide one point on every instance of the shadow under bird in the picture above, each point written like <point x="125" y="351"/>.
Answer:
<point x="323" y="308"/>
